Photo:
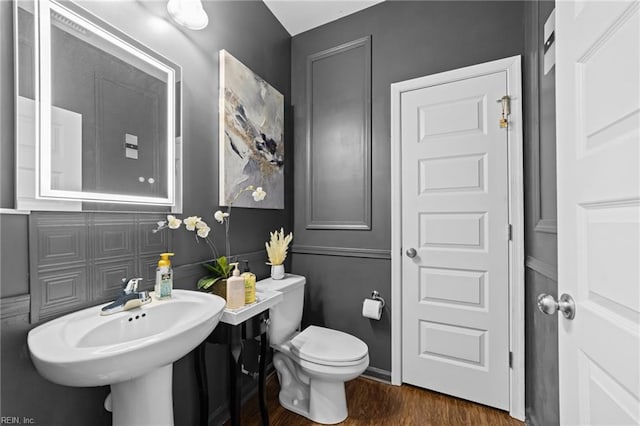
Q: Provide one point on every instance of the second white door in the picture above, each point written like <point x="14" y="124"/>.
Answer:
<point x="455" y="239"/>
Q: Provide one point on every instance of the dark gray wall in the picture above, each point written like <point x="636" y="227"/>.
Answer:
<point x="408" y="39"/>
<point x="247" y="30"/>
<point x="541" y="360"/>
<point x="14" y="255"/>
<point x="338" y="142"/>
<point x="6" y="106"/>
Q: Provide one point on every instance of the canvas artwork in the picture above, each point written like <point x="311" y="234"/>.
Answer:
<point x="251" y="136"/>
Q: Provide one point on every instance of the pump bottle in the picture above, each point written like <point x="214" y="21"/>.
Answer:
<point x="235" y="289"/>
<point x="249" y="283"/>
<point x="164" y="277"/>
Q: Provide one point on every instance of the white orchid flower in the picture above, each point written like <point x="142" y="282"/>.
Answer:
<point x="161" y="225"/>
<point x="203" y="230"/>
<point x="258" y="194"/>
<point x="191" y="222"/>
<point x="219" y="216"/>
<point x="174" y="222"/>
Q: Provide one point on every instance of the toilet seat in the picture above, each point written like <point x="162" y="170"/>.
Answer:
<point x="328" y="347"/>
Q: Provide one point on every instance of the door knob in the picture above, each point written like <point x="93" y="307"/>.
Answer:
<point x="412" y="253"/>
<point x="548" y="305"/>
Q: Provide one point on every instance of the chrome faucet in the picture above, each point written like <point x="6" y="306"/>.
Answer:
<point x="129" y="298"/>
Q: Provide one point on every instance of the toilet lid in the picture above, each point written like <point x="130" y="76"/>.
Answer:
<point x="320" y="345"/>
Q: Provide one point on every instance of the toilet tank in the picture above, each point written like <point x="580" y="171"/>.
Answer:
<point x="286" y="315"/>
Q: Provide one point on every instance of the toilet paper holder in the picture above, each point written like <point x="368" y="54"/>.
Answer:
<point x="375" y="295"/>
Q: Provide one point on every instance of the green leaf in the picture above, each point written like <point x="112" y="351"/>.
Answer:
<point x="211" y="268"/>
<point x="218" y="267"/>
<point x="224" y="268"/>
<point x="222" y="261"/>
<point x="206" y="282"/>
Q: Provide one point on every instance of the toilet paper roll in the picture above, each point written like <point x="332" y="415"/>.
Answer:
<point x="372" y="309"/>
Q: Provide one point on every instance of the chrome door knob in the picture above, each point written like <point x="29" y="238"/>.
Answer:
<point x="548" y="305"/>
<point x="412" y="253"/>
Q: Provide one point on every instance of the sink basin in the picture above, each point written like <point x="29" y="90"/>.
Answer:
<point x="133" y="351"/>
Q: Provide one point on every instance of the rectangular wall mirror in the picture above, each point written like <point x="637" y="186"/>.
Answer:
<point x="98" y="114"/>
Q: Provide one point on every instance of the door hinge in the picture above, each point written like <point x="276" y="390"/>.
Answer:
<point x="510" y="232"/>
<point x="510" y="359"/>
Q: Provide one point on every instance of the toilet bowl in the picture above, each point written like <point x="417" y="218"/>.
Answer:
<point x="312" y="368"/>
<point x="312" y="365"/>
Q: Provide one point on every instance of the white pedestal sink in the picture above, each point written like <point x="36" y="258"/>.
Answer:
<point x="132" y="351"/>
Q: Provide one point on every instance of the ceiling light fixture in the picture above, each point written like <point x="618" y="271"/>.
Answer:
<point x="188" y="13"/>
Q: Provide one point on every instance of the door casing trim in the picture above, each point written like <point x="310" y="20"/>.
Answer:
<point x="512" y="66"/>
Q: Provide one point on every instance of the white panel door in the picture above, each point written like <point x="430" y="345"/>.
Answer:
<point x="455" y="290"/>
<point x="598" y="164"/>
<point x="66" y="156"/>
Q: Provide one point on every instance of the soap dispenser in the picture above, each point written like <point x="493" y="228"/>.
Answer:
<point x="249" y="283"/>
<point x="164" y="277"/>
<point x="235" y="289"/>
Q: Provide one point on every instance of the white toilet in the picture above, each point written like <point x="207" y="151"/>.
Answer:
<point x="312" y="365"/>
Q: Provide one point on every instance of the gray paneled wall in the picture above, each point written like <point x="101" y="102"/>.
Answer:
<point x="338" y="281"/>
<point x="541" y="361"/>
<point x="7" y="152"/>
<point x="14" y="254"/>
<point x="79" y="259"/>
<point x="408" y="39"/>
<point x="339" y="137"/>
<point x="541" y="354"/>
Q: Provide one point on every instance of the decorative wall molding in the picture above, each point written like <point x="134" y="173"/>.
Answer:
<point x="378" y="374"/>
<point x="342" y="251"/>
<point x="534" y="132"/>
<point x="78" y="259"/>
<point x="314" y="185"/>
<point x="544" y="268"/>
<point x="541" y="364"/>
<point x="14" y="306"/>
<point x="4" y="210"/>
<point x="549" y="226"/>
<point x="545" y="225"/>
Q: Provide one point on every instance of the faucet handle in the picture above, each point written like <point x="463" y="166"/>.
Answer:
<point x="132" y="285"/>
<point x="123" y="283"/>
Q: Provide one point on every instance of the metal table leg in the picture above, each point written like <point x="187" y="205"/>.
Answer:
<point x="264" y="413"/>
<point x="235" y="374"/>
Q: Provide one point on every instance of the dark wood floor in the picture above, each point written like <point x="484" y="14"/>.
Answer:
<point x="374" y="403"/>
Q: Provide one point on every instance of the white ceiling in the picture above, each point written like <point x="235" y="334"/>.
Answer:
<point x="298" y="16"/>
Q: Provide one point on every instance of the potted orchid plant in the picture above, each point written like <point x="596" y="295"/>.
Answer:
<point x="220" y="267"/>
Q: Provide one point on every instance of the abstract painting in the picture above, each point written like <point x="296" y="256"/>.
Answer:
<point x="251" y="136"/>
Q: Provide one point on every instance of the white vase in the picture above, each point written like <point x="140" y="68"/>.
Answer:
<point x="277" y="272"/>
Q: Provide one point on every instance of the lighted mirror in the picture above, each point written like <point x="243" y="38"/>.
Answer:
<point x="98" y="114"/>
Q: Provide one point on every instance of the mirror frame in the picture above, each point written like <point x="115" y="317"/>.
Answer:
<point x="43" y="85"/>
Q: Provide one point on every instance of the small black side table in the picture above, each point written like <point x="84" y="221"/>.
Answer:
<point x="234" y="328"/>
